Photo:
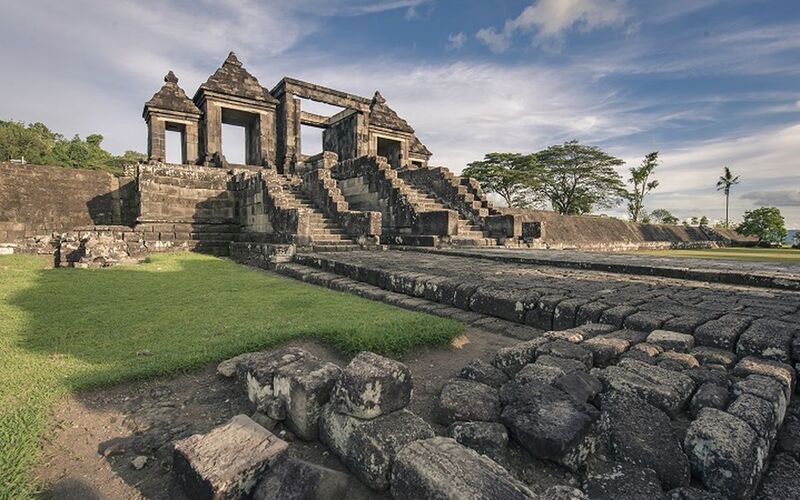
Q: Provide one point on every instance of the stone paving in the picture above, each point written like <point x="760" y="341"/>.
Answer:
<point x="637" y="386"/>
<point x="784" y="275"/>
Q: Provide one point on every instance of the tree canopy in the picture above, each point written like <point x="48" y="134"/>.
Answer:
<point x="39" y="145"/>
<point x="580" y="178"/>
<point x="513" y="176"/>
<point x="766" y="224"/>
<point x="642" y="184"/>
<point x="663" y="216"/>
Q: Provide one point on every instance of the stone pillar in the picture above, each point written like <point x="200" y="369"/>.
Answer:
<point x="191" y="144"/>
<point x="156" y="139"/>
<point x="266" y="132"/>
<point x="213" y="128"/>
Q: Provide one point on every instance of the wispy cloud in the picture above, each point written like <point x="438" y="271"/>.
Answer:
<point x="550" y="19"/>
<point x="456" y="41"/>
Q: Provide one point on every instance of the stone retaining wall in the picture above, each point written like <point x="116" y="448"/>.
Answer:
<point x="38" y="200"/>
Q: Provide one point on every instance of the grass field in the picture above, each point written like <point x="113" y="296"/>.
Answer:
<point x="745" y="254"/>
<point x="65" y="330"/>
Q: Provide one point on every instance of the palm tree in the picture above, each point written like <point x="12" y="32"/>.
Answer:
<point x="725" y="182"/>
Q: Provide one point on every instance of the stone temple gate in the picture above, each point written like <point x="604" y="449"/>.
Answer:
<point x="272" y="121"/>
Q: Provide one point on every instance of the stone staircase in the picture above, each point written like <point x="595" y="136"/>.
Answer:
<point x="326" y="234"/>
<point x="469" y="233"/>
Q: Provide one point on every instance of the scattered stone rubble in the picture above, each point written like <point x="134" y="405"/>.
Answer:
<point x="624" y="414"/>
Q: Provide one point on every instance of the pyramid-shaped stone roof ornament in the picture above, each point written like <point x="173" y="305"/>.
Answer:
<point x="233" y="79"/>
<point x="382" y="115"/>
<point x="171" y="98"/>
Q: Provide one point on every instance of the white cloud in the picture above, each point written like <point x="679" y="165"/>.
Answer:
<point x="456" y="41"/>
<point x="550" y="19"/>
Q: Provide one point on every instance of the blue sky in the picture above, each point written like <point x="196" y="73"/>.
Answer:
<point x="707" y="83"/>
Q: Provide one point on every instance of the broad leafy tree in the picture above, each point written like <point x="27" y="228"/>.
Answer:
<point x="663" y="216"/>
<point x="514" y="177"/>
<point x="725" y="182"/>
<point x="703" y="221"/>
<point x="580" y="178"/>
<point x="766" y="224"/>
<point x="39" y="145"/>
<point x="642" y="184"/>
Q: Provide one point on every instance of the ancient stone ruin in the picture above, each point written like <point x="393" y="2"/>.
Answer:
<point x="370" y="185"/>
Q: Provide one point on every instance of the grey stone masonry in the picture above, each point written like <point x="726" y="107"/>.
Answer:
<point x="443" y="469"/>
<point x="371" y="386"/>
<point x="227" y="462"/>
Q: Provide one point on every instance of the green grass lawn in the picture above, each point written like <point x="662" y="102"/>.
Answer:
<point x="65" y="330"/>
<point x="745" y="254"/>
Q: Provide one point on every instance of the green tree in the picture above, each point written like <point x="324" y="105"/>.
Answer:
<point x="37" y="144"/>
<point x="580" y="178"/>
<point x="766" y="224"/>
<point x="725" y="182"/>
<point x="695" y="221"/>
<point x="703" y="221"/>
<point x="663" y="216"/>
<point x="640" y="178"/>
<point x="514" y="177"/>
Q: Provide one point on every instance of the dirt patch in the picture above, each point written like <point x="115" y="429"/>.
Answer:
<point x="99" y="435"/>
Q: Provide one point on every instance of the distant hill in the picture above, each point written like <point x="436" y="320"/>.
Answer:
<point x="790" y="238"/>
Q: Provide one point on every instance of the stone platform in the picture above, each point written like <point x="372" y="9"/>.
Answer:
<point x="782" y="275"/>
<point x="642" y="386"/>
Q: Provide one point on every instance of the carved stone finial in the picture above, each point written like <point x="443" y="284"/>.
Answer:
<point x="171" y="78"/>
<point x="378" y="98"/>
<point x="232" y="59"/>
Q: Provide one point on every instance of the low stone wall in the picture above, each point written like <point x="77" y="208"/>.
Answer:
<point x="260" y="254"/>
<point x="562" y="232"/>
<point x="38" y="200"/>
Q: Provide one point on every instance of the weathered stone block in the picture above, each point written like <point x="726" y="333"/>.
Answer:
<point x="641" y="435"/>
<point x="549" y="423"/>
<point x="541" y="316"/>
<point x="504" y="304"/>
<point x="619" y="480"/>
<point x="226" y="462"/>
<point x="565" y="312"/>
<point x="487" y="438"/>
<point x="605" y="349"/>
<point x="759" y="413"/>
<point x="766" y="388"/>
<point x="671" y="341"/>
<point x="256" y="372"/>
<point x="465" y="400"/>
<point x="512" y="359"/>
<point x="590" y="312"/>
<point x="767" y="339"/>
<point x="566" y="350"/>
<point x="443" y="469"/>
<point x="483" y="372"/>
<point x="725" y="454"/>
<point x="372" y="385"/>
<point x="646" y="321"/>
<point x="712" y="355"/>
<point x="304" y="387"/>
<point x="294" y="479"/>
<point x="368" y="447"/>
<point x="709" y="395"/>
<point x="781" y="372"/>
<point x="580" y="385"/>
<point x="664" y="389"/>
<point x="722" y="332"/>
<point x="537" y="372"/>
<point x="683" y="360"/>
<point x="616" y="315"/>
